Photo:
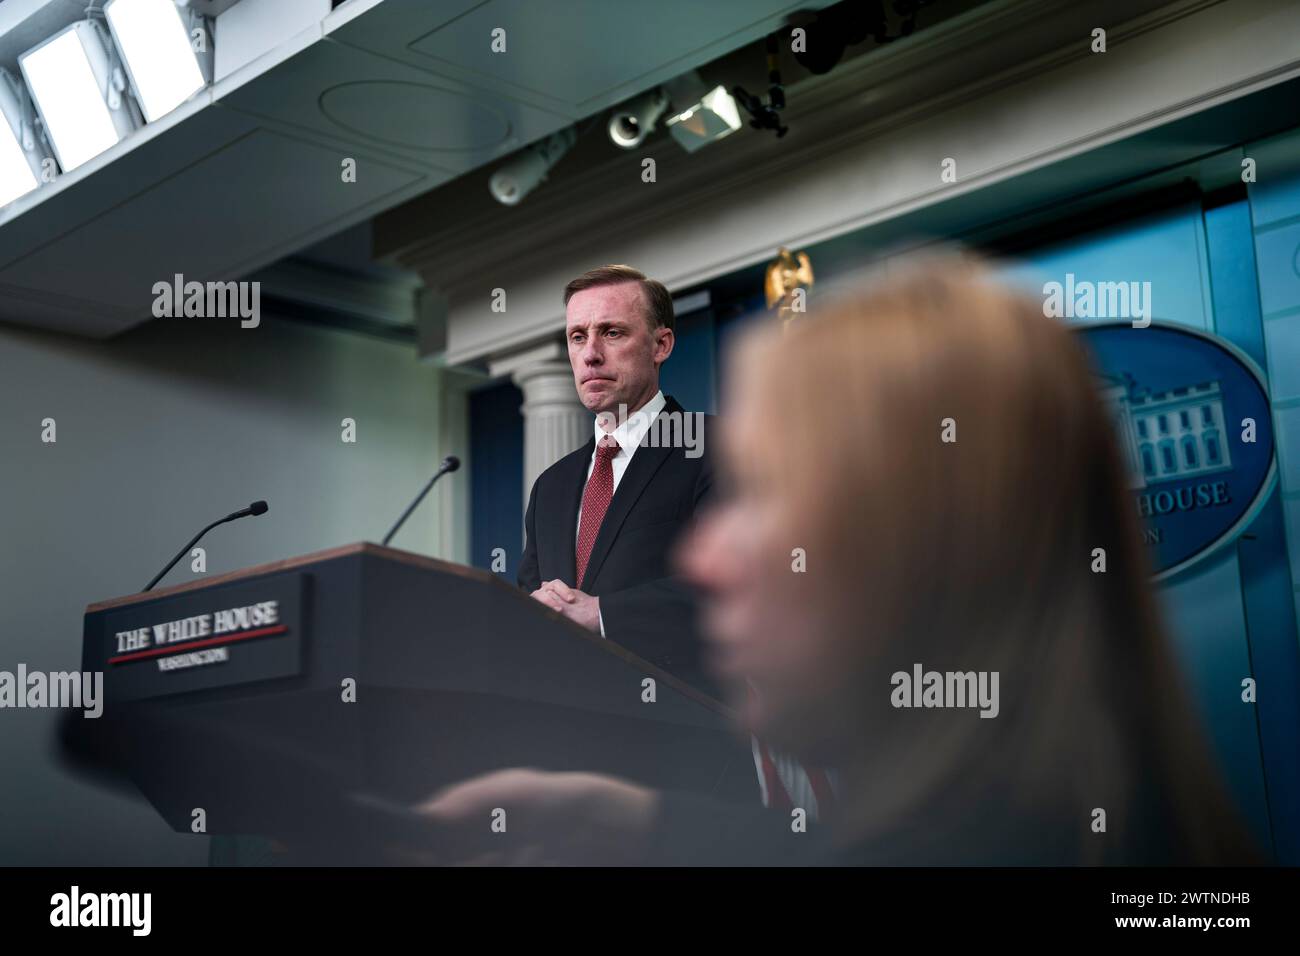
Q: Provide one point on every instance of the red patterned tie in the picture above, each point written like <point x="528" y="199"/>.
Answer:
<point x="595" y="501"/>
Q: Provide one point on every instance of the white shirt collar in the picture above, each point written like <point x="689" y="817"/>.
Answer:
<point x="629" y="433"/>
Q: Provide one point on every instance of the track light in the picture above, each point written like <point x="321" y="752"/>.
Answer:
<point x="154" y="39"/>
<point x="632" y="122"/>
<point x="78" y="87"/>
<point x="523" y="172"/>
<point x="708" y="121"/>
<point x="21" y="151"/>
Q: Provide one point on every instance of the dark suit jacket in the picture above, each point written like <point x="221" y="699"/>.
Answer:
<point x="644" y="607"/>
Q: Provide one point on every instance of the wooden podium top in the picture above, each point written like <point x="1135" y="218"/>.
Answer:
<point x="426" y="563"/>
<point x="288" y="564"/>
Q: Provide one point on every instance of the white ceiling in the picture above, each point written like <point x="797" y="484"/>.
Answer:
<point x="249" y="171"/>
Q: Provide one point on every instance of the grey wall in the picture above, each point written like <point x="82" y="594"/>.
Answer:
<point x="160" y="431"/>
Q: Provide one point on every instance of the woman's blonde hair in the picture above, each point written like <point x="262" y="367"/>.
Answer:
<point x="960" y="475"/>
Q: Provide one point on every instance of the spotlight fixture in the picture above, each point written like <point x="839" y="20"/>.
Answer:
<point x="761" y="115"/>
<point x="708" y="121"/>
<point x="153" y="37"/>
<point x="632" y="122"/>
<point x="21" y="151"/>
<point x="78" y="87"/>
<point x="524" y="171"/>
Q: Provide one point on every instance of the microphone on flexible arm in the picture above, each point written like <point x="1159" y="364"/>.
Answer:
<point x="450" y="463"/>
<point x="256" y="508"/>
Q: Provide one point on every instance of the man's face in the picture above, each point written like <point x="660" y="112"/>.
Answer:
<point x="614" y="353"/>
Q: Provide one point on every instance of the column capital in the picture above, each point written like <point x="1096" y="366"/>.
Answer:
<point x="538" y="354"/>
<point x="548" y="384"/>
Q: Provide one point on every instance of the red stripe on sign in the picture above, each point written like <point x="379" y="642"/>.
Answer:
<point x="209" y="642"/>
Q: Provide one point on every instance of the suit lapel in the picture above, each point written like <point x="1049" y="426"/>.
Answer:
<point x="640" y="470"/>
<point x="567" y="516"/>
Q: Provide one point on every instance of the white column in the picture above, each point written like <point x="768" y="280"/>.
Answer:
<point x="555" y="422"/>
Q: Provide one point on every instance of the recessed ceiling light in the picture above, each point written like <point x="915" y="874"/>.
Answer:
<point x="164" y="68"/>
<point x="77" y="93"/>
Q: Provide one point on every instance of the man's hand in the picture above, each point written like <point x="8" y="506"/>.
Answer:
<point x="576" y="605"/>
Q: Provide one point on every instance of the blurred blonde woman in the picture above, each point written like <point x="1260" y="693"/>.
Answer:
<point x="932" y="446"/>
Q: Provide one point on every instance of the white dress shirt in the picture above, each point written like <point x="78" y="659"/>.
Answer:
<point x="628" y="434"/>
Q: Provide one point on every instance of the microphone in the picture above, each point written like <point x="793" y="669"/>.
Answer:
<point x="450" y="463"/>
<point x="256" y="508"/>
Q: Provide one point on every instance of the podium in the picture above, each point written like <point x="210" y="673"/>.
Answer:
<point x="311" y="700"/>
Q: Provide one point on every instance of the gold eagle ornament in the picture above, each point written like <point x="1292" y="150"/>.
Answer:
<point x="787" y="282"/>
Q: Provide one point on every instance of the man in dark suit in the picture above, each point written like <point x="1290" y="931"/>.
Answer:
<point x="601" y="521"/>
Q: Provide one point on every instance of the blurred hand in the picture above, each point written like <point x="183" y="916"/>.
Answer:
<point x="551" y="818"/>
